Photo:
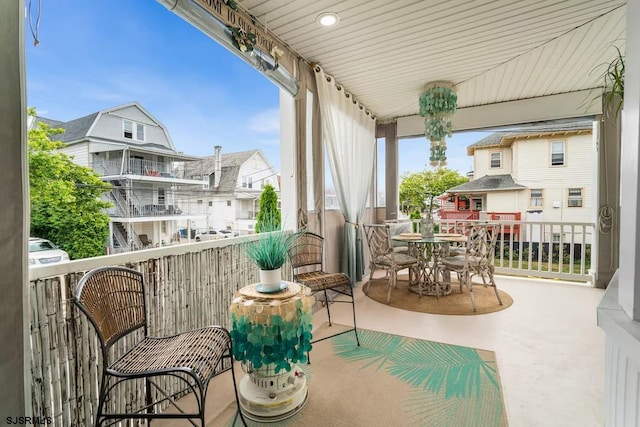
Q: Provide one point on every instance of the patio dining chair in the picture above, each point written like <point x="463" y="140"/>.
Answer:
<point x="477" y="259"/>
<point x="383" y="256"/>
<point x="113" y="299"/>
<point x="306" y="258"/>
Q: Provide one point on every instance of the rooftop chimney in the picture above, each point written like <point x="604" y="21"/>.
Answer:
<point x="217" y="166"/>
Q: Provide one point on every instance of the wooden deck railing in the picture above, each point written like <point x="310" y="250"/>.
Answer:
<point x="188" y="286"/>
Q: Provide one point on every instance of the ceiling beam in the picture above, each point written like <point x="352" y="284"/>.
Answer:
<point x="545" y="108"/>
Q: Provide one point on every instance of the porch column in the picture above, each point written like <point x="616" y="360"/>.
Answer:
<point x="15" y="393"/>
<point x="619" y="310"/>
<point x="629" y="290"/>
<point x="608" y="185"/>
<point x="389" y="133"/>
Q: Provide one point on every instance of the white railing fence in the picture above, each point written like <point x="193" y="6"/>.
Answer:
<point x="540" y="248"/>
<point x="187" y="287"/>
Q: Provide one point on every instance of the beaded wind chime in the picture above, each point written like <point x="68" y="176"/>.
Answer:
<point x="437" y="105"/>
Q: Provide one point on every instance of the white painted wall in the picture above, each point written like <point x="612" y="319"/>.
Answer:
<point x="79" y="152"/>
<point x="482" y="162"/>
<point x="109" y="126"/>
<point x="502" y="201"/>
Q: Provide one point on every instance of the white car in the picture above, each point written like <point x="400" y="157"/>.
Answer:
<point x="207" y="235"/>
<point x="43" y="252"/>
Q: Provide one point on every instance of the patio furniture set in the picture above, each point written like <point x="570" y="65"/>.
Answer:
<point x="431" y="258"/>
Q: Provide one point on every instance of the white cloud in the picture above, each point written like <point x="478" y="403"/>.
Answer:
<point x="267" y="121"/>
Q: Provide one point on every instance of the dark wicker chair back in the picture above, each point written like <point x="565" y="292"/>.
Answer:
<point x="306" y="250"/>
<point x="113" y="300"/>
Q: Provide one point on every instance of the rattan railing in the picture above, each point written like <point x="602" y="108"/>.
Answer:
<point x="189" y="286"/>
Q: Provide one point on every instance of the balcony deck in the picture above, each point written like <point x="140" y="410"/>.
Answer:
<point x="550" y="352"/>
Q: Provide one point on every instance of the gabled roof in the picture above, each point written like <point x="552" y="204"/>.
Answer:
<point x="231" y="163"/>
<point x="207" y="165"/>
<point x="487" y="183"/>
<point x="78" y="129"/>
<point x="506" y="138"/>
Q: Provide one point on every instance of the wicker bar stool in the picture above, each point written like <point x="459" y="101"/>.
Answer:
<point x="306" y="257"/>
<point x="113" y="299"/>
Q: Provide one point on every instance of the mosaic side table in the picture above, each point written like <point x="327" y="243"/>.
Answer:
<point x="271" y="334"/>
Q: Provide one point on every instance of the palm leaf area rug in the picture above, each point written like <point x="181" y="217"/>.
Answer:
<point x="392" y="380"/>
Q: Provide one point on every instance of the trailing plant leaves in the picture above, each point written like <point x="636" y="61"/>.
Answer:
<point x="614" y="82"/>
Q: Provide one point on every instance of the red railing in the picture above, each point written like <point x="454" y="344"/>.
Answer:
<point x="507" y="229"/>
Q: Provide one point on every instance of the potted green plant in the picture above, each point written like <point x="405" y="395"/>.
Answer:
<point x="271" y="251"/>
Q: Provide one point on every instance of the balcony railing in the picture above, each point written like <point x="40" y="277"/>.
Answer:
<point x="138" y="167"/>
<point x="187" y="287"/>
<point x="543" y="249"/>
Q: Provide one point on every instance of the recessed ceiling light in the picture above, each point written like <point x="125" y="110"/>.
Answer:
<point x="327" y="19"/>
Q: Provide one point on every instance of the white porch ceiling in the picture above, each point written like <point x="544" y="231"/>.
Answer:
<point x="384" y="52"/>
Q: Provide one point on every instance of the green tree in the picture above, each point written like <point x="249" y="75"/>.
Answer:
<point x="269" y="217"/>
<point x="419" y="190"/>
<point x="65" y="197"/>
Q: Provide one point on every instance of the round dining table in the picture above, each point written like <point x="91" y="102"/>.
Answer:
<point x="429" y="250"/>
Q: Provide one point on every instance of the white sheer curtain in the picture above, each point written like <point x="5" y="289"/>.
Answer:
<point x="348" y="132"/>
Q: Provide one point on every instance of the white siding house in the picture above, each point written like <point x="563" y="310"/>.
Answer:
<point x="542" y="172"/>
<point x="236" y="181"/>
<point x="132" y="150"/>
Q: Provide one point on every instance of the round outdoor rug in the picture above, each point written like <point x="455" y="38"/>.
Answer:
<point x="455" y="303"/>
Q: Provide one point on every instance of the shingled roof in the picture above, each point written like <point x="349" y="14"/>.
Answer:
<point x="207" y="165"/>
<point x="545" y="130"/>
<point x="73" y="130"/>
<point x="487" y="183"/>
<point x="231" y="163"/>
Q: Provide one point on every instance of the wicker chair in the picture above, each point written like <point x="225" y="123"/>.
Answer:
<point x="477" y="260"/>
<point x="382" y="255"/>
<point x="113" y="299"/>
<point x="306" y="256"/>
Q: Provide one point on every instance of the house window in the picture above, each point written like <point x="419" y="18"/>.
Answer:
<point x="228" y="202"/>
<point x="249" y="182"/>
<point x="535" y="197"/>
<point x="575" y="198"/>
<point x="496" y="160"/>
<point x="210" y="203"/>
<point x="199" y="202"/>
<point x="131" y="129"/>
<point x="557" y="153"/>
<point x="477" y="204"/>
<point x="555" y="237"/>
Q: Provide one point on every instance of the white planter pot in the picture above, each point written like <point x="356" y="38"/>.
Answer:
<point x="270" y="279"/>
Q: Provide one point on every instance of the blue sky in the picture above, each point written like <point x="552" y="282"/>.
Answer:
<point x="99" y="54"/>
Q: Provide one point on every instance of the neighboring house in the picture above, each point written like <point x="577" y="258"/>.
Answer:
<point x="236" y="181"/>
<point x="541" y="173"/>
<point x="132" y="150"/>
